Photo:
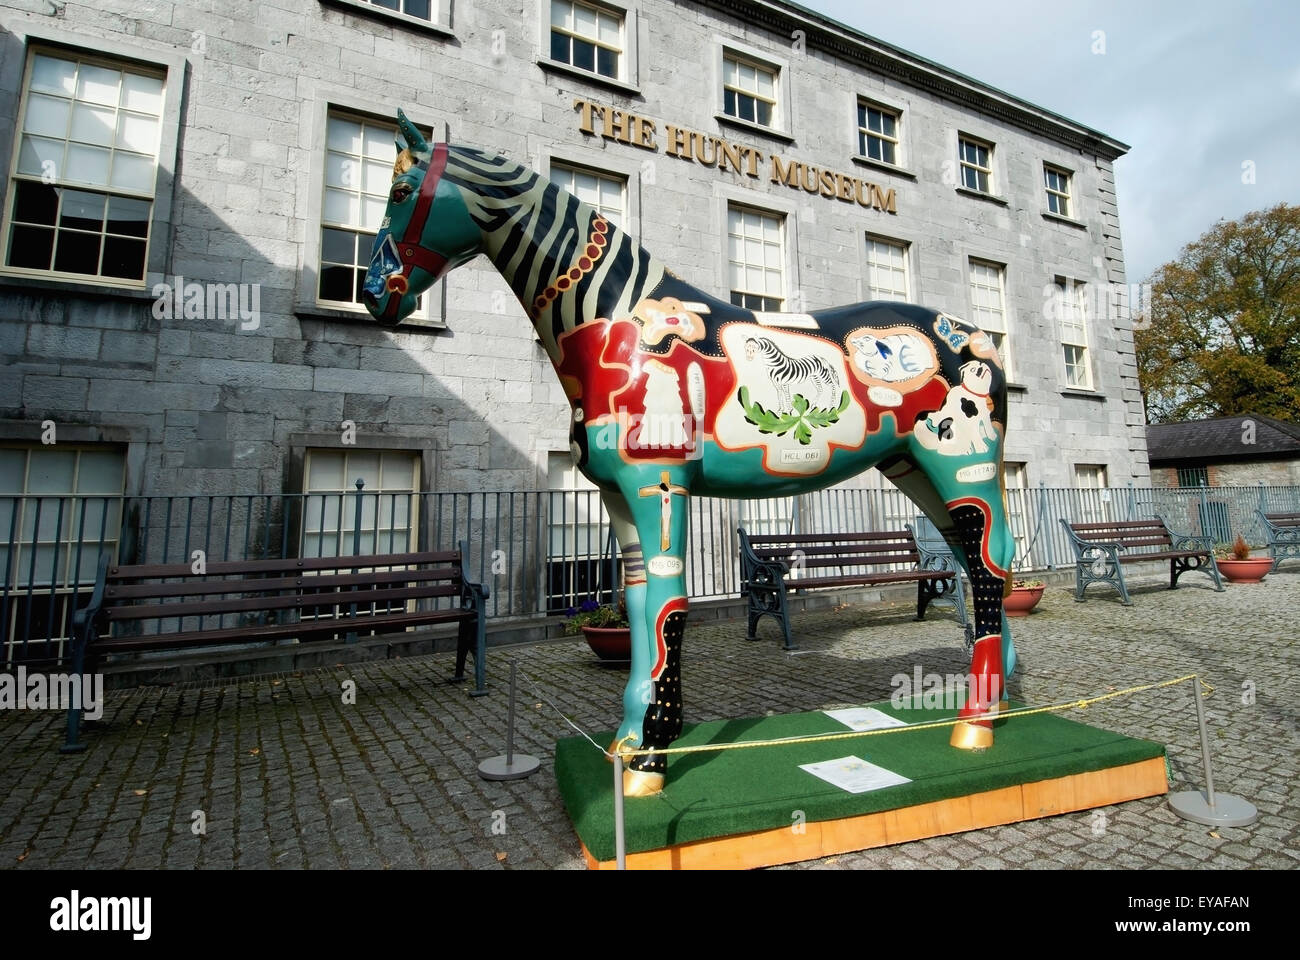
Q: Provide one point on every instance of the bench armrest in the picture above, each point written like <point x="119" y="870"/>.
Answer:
<point x="88" y="614"/>
<point x="470" y="592"/>
<point x="1186" y="541"/>
<point x="1277" y="533"/>
<point x="760" y="573"/>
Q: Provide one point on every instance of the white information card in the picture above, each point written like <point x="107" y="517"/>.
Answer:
<point x="864" y="718"/>
<point x="854" y="774"/>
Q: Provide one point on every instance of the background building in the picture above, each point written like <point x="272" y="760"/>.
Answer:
<point x="191" y="189"/>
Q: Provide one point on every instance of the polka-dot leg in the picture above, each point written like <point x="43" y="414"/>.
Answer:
<point x="663" y="715"/>
<point x="987" y="588"/>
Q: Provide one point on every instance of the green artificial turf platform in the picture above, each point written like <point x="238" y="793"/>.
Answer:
<point x="711" y="795"/>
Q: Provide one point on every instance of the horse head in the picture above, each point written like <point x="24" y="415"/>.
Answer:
<point x="426" y="229"/>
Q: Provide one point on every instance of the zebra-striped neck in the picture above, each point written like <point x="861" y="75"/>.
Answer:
<point x="541" y="240"/>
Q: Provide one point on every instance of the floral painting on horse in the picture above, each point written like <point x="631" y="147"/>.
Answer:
<point x="675" y="393"/>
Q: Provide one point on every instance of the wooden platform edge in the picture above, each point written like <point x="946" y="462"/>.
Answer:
<point x="1028" y="801"/>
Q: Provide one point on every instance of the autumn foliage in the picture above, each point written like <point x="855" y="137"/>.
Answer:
<point x="1221" y="334"/>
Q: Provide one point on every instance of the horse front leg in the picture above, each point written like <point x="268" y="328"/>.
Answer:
<point x="651" y="523"/>
<point x="985" y="540"/>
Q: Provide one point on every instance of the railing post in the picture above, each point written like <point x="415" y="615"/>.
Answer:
<point x="1051" y="533"/>
<point x="356" y="551"/>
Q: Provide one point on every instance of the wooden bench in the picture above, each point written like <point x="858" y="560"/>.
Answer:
<point x="767" y="562"/>
<point x="1102" y="549"/>
<point x="255" y="601"/>
<point x="1283" y="530"/>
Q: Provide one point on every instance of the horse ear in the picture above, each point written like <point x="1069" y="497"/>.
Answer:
<point x="415" y="141"/>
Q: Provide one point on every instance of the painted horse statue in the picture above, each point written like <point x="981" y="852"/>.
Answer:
<point x="675" y="392"/>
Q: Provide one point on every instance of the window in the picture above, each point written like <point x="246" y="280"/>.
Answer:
<point x="1019" y="509"/>
<point x="878" y="133"/>
<point x="83" y="180"/>
<point x="1070" y="299"/>
<point x="419" y="9"/>
<point x="603" y="191"/>
<point x="581" y="561"/>
<point x="886" y="270"/>
<point x="755" y="256"/>
<point x="358" y="174"/>
<point x="1193" y="477"/>
<point x="587" y="37"/>
<point x="1058" y="190"/>
<point x="748" y="90"/>
<point x="976" y="164"/>
<point x="59" y="507"/>
<point x="1093" y="492"/>
<point x="389" y="502"/>
<point x="988" y="306"/>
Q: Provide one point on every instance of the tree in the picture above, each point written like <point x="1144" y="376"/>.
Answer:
<point x="1221" y="333"/>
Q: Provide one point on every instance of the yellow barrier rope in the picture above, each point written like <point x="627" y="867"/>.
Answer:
<point x="929" y="725"/>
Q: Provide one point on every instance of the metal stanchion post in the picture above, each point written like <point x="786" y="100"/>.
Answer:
<point x="509" y="767"/>
<point x="1221" y="810"/>
<point x="620" y="844"/>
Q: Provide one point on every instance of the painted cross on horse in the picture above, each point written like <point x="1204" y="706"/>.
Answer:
<point x="675" y="392"/>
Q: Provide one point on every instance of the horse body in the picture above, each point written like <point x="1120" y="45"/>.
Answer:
<point x="675" y="392"/>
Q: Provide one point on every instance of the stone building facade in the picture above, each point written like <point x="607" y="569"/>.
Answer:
<point x="191" y="186"/>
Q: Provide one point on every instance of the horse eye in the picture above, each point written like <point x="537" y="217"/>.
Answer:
<point x="401" y="192"/>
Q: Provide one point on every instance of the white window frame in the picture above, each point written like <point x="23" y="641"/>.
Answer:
<point x="1072" y="319"/>
<point x="782" y="119"/>
<point x="902" y="249"/>
<point x="780" y="219"/>
<point x="964" y="139"/>
<point x="560" y="169"/>
<point x="118" y="55"/>
<point x="330" y="99"/>
<point x="629" y="65"/>
<point x="865" y="133"/>
<point x="343" y="497"/>
<point x="1062" y="194"/>
<point x="979" y="310"/>
<point x="439" y="12"/>
<point x="102" y="513"/>
<point x="601" y="11"/>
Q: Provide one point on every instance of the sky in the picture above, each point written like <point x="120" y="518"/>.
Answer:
<point x="1205" y="92"/>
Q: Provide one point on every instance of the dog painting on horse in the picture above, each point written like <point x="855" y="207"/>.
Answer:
<point x="675" y="393"/>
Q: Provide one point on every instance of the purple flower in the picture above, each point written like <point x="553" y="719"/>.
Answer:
<point x="589" y="605"/>
<point x="570" y="612"/>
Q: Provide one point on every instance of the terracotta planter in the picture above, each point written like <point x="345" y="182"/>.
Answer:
<point x="1250" y="570"/>
<point x="611" y="644"/>
<point x="1022" y="600"/>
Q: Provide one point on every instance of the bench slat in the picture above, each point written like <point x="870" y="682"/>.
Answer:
<point x="194" y="587"/>
<point x="774" y="538"/>
<point x="300" y="600"/>
<point x="336" y="625"/>
<point x="289" y="565"/>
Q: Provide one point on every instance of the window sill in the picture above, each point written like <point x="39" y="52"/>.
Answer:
<point x="30" y="284"/>
<point x="313" y="311"/>
<point x="622" y="86"/>
<point x="1017" y="387"/>
<point x="391" y="16"/>
<point x="1082" y="393"/>
<point x="1068" y="221"/>
<point x="988" y="197"/>
<point x="773" y="132"/>
<point x="881" y="165"/>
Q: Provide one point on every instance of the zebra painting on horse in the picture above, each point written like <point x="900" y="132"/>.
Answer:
<point x="675" y="392"/>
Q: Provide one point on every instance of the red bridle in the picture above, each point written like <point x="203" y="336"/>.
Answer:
<point x="409" y="249"/>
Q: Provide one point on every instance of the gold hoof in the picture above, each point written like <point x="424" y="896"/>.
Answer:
<point x="971" y="736"/>
<point x="637" y="783"/>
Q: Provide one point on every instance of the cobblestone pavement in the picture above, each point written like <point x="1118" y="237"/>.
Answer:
<point x="287" y="774"/>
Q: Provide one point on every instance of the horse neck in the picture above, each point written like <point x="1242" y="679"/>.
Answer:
<point x="535" y="233"/>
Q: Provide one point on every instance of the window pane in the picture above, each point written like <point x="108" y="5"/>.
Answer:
<point x="372" y="212"/>
<point x="46" y="115"/>
<point x="342" y="207"/>
<point x="31" y="247"/>
<point x="98" y="84"/>
<point x="92" y="124"/>
<point x="378" y="177"/>
<point x="35" y="202"/>
<point x="77" y="252"/>
<point x="35" y="152"/>
<point x="128" y="216"/>
<point x="87" y="164"/>
<point x="377" y="143"/>
<point x="561" y="14"/>
<point x="82" y="211"/>
<point x="338" y="246"/>
<point x="123" y="258"/>
<point x="130" y="171"/>
<point x="326" y="471"/>
<point x="51" y="75"/>
<point x="142" y="93"/>
<point x="138" y="133"/>
<point x="344" y="135"/>
<point x="50" y="472"/>
<point x="336" y="283"/>
<point x="609" y="30"/>
<point x="559" y="47"/>
<point x="584" y="20"/>
<point x="99" y="471"/>
<point x="606" y="62"/>
<point x="418" y="8"/>
<point x="584" y="54"/>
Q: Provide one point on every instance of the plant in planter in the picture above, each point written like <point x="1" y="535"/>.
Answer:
<point x="1025" y="595"/>
<point x="1238" y="566"/>
<point x="605" y="627"/>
